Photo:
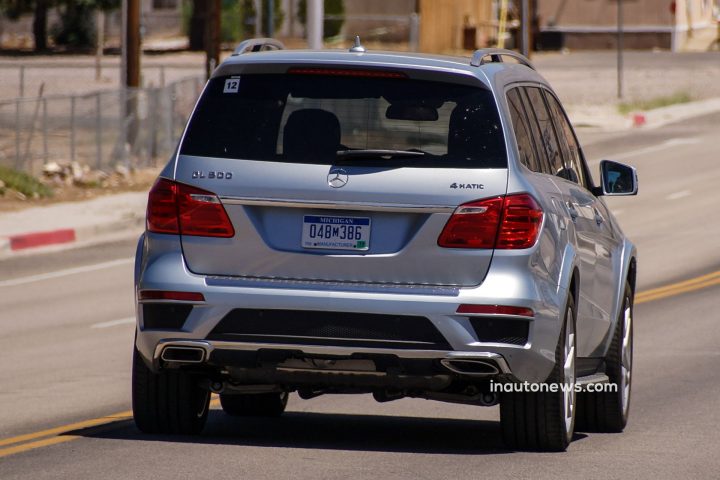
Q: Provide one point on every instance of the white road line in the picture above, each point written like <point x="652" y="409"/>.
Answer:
<point x="63" y="273"/>
<point x="673" y="142"/>
<point x="114" y="323"/>
<point x="678" y="195"/>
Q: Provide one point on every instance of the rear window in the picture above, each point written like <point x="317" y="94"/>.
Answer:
<point x="320" y="119"/>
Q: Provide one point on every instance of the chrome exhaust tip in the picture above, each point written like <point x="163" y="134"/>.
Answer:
<point x="480" y="368"/>
<point x="177" y="354"/>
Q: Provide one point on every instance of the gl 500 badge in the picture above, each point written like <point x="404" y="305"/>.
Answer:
<point x="212" y="175"/>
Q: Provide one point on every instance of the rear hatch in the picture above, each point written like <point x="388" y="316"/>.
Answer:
<point x="342" y="175"/>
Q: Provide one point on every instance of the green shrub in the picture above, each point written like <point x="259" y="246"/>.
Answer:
<point x="657" y="102"/>
<point x="237" y="18"/>
<point x="24" y="183"/>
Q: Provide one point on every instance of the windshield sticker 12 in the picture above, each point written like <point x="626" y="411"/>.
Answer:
<point x="232" y="85"/>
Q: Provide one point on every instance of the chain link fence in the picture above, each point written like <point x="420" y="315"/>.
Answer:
<point x="133" y="128"/>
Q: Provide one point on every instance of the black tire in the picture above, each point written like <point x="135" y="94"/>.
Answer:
<point x="167" y="402"/>
<point x="254" y="405"/>
<point x="607" y="411"/>
<point x="536" y="420"/>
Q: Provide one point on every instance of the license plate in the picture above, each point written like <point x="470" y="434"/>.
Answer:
<point x="336" y="233"/>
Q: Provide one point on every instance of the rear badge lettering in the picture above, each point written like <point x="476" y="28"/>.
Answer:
<point x="212" y="175"/>
<point x="468" y="186"/>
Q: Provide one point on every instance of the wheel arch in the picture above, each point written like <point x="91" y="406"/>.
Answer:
<point x="626" y="273"/>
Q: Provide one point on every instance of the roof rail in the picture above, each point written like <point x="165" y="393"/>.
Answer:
<point x="258" y="45"/>
<point x="496" y="55"/>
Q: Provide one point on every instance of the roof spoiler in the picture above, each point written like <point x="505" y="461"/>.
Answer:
<point x="495" y="55"/>
<point x="258" y="45"/>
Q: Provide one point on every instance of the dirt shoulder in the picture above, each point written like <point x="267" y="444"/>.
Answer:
<point x="134" y="181"/>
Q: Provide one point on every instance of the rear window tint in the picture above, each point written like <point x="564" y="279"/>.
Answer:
<point x="309" y="118"/>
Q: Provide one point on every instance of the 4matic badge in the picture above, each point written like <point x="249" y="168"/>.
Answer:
<point x="468" y="186"/>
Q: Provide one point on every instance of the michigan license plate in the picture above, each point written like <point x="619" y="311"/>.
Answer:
<point x="336" y="233"/>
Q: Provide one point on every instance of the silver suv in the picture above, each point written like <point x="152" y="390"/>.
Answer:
<point x="397" y="224"/>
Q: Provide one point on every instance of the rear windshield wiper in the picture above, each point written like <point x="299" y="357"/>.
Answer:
<point x="378" y="153"/>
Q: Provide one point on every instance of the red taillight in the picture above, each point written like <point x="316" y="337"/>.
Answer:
<point x="496" y="310"/>
<point x="510" y="222"/>
<point x="170" y="295"/>
<point x="162" y="207"/>
<point x="202" y="214"/>
<point x="181" y="209"/>
<point x="473" y="225"/>
<point x="346" y="72"/>
<point x="522" y="217"/>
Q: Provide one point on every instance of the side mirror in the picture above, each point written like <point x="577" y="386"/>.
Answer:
<point x="617" y="179"/>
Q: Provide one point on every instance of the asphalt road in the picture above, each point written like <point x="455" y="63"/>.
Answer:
<point x="67" y="337"/>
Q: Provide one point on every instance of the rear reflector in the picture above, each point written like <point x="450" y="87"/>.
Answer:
<point x="181" y="209"/>
<point x="169" y="295"/>
<point x="343" y="72"/>
<point x="511" y="222"/>
<point x="495" y="310"/>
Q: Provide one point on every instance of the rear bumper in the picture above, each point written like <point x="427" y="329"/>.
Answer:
<point x="532" y="362"/>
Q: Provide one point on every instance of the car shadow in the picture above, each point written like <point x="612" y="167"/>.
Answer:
<point x="332" y="431"/>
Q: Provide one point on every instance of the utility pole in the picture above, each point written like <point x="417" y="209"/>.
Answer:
<point x="620" y="49"/>
<point x="212" y="36"/>
<point x="270" y="19"/>
<point x="99" y="43"/>
<point x="257" y="4"/>
<point x="131" y="55"/>
<point x="525" y="26"/>
<point x="130" y="69"/>
<point x="315" y="14"/>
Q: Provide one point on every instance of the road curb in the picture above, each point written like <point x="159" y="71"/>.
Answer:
<point x="33" y="242"/>
<point x="24" y="241"/>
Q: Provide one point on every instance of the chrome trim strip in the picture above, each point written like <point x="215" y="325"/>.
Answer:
<point x="333" y="205"/>
<point x="209" y="346"/>
<point x="397" y="289"/>
<point x="303" y="337"/>
<point x="332" y="372"/>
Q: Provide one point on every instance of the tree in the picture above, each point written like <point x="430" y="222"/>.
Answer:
<point x="77" y="22"/>
<point x="238" y="20"/>
<point x="13" y="9"/>
<point x="331" y="28"/>
<point x="76" y="27"/>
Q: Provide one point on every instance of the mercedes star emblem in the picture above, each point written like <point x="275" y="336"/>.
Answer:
<point x="337" y="178"/>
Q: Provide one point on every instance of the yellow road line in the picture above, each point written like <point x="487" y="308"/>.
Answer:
<point x="55" y="434"/>
<point x="685" y="286"/>
<point x="38" y="444"/>
<point x="66" y="428"/>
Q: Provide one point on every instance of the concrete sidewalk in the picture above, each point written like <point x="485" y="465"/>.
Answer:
<point x="114" y="217"/>
<point x="607" y="117"/>
<point x="68" y="224"/>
